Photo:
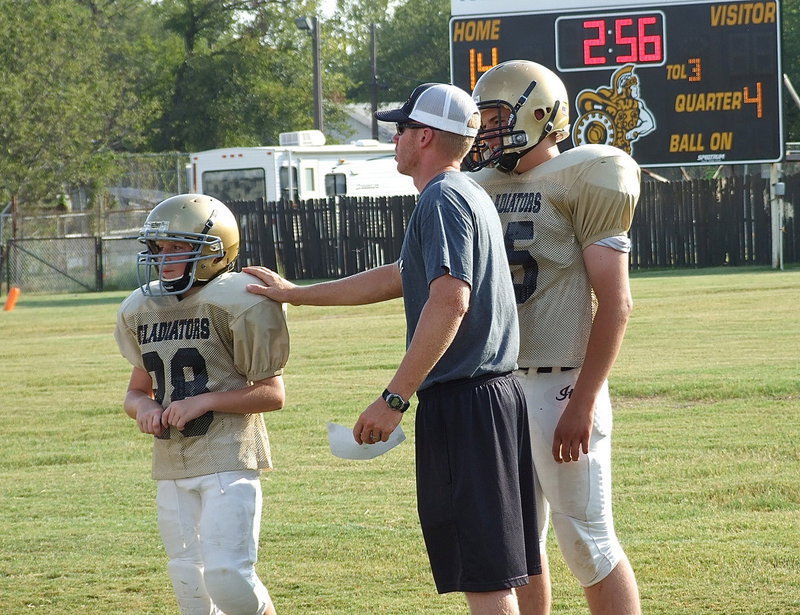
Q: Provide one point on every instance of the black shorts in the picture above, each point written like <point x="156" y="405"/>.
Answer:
<point x="475" y="484"/>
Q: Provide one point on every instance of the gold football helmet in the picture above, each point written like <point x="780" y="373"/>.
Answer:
<point x="202" y="222"/>
<point x="529" y="102"/>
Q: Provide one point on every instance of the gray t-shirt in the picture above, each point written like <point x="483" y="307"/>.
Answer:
<point x="455" y="229"/>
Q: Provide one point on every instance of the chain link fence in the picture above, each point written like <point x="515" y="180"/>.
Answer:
<point x="53" y="264"/>
<point x="72" y="264"/>
<point x="89" y="249"/>
<point x="74" y="252"/>
<point x="143" y="180"/>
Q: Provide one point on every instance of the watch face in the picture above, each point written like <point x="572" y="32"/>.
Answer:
<point x="395" y="401"/>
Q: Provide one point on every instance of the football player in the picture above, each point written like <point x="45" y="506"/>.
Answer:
<point x="207" y="361"/>
<point x="565" y="220"/>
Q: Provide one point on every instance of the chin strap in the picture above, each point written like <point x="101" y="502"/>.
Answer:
<point x="508" y="162"/>
<point x="181" y="284"/>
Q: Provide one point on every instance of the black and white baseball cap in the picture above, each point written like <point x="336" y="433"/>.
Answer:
<point x="437" y="105"/>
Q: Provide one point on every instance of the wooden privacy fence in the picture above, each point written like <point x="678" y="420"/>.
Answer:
<point x="702" y="223"/>
<point x="694" y="223"/>
<point x="323" y="238"/>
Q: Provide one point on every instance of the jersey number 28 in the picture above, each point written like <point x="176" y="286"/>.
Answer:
<point x="186" y="359"/>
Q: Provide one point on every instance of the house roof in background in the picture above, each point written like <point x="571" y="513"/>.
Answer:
<point x="360" y="123"/>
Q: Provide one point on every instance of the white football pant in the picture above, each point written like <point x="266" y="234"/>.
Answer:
<point x="210" y="526"/>
<point x="576" y="494"/>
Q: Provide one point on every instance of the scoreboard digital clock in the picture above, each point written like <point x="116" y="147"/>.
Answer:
<point x="603" y="41"/>
<point x="675" y="82"/>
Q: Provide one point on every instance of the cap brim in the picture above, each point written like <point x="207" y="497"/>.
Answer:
<point x="393" y="115"/>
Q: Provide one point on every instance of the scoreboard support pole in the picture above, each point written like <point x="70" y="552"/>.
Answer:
<point x="777" y="190"/>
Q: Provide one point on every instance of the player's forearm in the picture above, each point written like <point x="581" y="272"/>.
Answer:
<point x="138" y="401"/>
<point x="263" y="396"/>
<point x="608" y="274"/>
<point x="602" y="350"/>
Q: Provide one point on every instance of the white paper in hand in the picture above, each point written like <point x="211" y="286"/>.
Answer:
<point x="344" y="445"/>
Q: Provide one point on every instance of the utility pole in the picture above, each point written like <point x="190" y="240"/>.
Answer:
<point x="14" y="216"/>
<point x="318" y="122"/>
<point x="373" y="90"/>
<point x="312" y="26"/>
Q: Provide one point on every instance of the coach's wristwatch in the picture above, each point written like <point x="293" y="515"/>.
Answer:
<point x="395" y="401"/>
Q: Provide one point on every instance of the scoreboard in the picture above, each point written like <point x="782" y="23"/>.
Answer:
<point x="673" y="83"/>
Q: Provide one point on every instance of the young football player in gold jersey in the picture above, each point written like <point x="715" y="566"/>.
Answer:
<point x="565" y="220"/>
<point x="207" y="361"/>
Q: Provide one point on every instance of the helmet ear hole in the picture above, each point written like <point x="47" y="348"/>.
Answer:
<point x="539" y="114"/>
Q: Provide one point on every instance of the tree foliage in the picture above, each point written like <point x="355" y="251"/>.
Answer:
<point x="411" y="42"/>
<point x="790" y="17"/>
<point x="59" y="102"/>
<point x="230" y="77"/>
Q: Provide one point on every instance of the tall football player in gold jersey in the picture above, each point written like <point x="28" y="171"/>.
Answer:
<point x="565" y="220"/>
<point x="207" y="360"/>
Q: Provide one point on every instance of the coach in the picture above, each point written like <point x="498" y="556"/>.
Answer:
<point x="474" y="471"/>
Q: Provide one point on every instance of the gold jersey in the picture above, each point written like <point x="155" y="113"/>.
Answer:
<point x="220" y="338"/>
<point x="550" y="214"/>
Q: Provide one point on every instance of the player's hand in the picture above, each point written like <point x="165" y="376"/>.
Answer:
<point x="180" y="412"/>
<point x="376" y="423"/>
<point x="274" y="286"/>
<point x="572" y="433"/>
<point x="149" y="420"/>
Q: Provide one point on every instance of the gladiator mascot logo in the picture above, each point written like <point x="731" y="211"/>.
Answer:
<point x="614" y="115"/>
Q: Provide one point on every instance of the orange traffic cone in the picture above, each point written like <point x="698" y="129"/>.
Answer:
<point x="11" y="300"/>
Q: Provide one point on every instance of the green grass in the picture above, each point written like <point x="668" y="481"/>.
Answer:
<point x="706" y="462"/>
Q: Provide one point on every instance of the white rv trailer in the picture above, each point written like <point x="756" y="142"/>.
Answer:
<point x="374" y="177"/>
<point x="295" y="169"/>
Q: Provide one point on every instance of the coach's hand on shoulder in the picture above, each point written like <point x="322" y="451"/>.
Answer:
<point x="274" y="286"/>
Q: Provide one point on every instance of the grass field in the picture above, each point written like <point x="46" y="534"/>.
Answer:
<point x="707" y="463"/>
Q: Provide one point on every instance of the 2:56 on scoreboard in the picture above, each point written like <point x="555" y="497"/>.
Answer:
<point x="611" y="40"/>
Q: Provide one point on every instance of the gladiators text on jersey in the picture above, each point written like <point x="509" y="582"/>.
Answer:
<point x="182" y="329"/>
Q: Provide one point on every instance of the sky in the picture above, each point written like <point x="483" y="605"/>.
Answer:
<point x="327" y="7"/>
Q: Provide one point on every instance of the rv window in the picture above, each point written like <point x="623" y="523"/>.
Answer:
<point x="335" y="183"/>
<point x="310" y="185"/>
<point x="235" y="185"/>
<point x="285" y="184"/>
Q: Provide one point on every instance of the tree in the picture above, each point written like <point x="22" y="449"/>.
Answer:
<point x="55" y="96"/>
<point x="412" y="45"/>
<point x="790" y="17"/>
<point x="242" y="76"/>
